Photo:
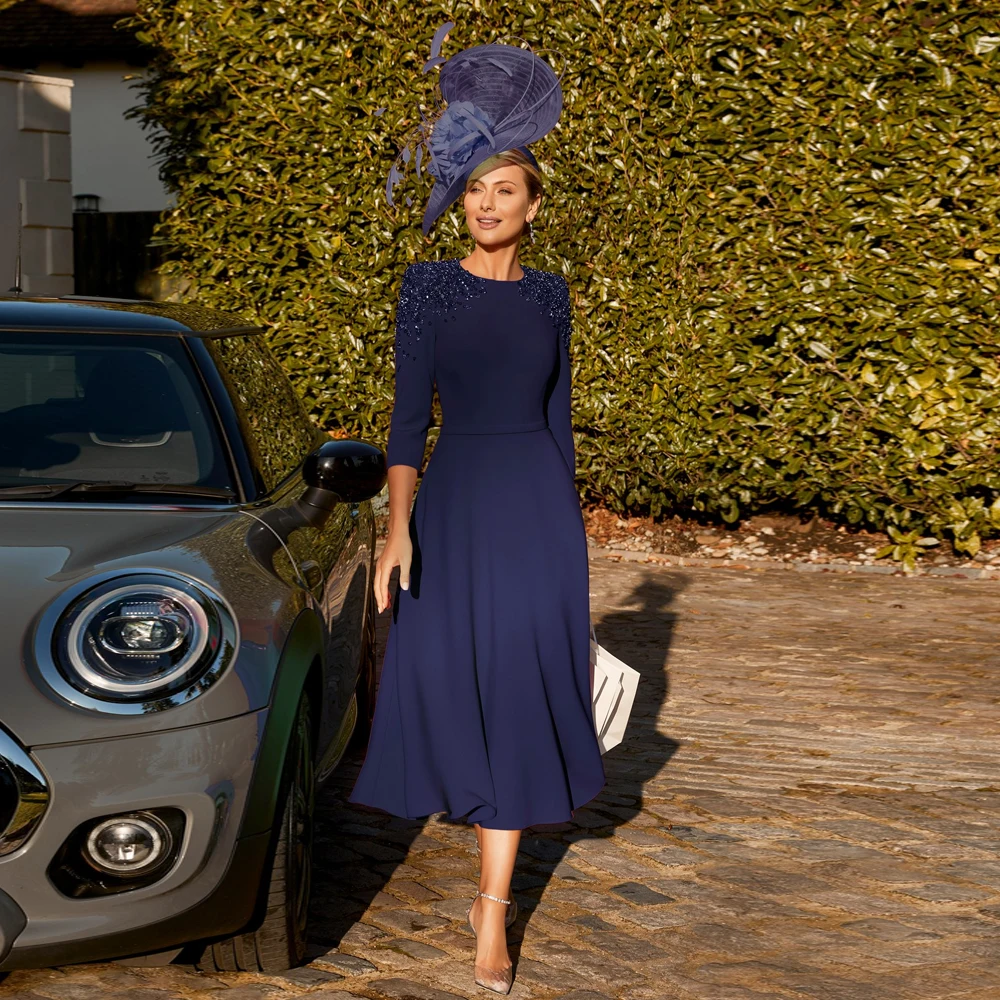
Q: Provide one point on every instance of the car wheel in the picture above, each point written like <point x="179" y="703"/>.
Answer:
<point x="366" y="683"/>
<point x="280" y="941"/>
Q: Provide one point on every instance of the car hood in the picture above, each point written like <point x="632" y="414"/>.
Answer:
<point x="46" y="549"/>
<point x="43" y="550"/>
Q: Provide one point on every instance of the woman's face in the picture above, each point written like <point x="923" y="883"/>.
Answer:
<point x="497" y="205"/>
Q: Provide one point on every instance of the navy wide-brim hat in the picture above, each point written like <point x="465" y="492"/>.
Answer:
<point x="522" y="101"/>
<point x="499" y="97"/>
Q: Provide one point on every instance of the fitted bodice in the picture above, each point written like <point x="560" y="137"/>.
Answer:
<point x="496" y="350"/>
<point x="494" y="368"/>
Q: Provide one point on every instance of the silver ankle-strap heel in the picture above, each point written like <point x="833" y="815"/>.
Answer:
<point x="497" y="980"/>
<point x="511" y="908"/>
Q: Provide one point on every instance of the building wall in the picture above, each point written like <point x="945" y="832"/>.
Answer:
<point x="111" y="153"/>
<point x="35" y="170"/>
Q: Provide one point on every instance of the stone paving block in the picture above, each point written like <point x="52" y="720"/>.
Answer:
<point x="700" y="837"/>
<point x="409" y="889"/>
<point x="549" y="977"/>
<point x="451" y="909"/>
<point x="359" y="935"/>
<point x="398" y="869"/>
<point x="256" y="991"/>
<point x="592" y="922"/>
<point x="68" y="989"/>
<point x="379" y="901"/>
<point x="765" y="880"/>
<point x="640" y="838"/>
<point x="889" y="930"/>
<point x="378" y="849"/>
<point x="450" y="939"/>
<point x="987" y="948"/>
<point x="858" y="903"/>
<point x="407" y="921"/>
<point x="652" y="918"/>
<point x="422" y="844"/>
<point x="676" y="857"/>
<point x="984" y="873"/>
<point x="946" y="892"/>
<point x="391" y="961"/>
<point x="962" y="924"/>
<point x="308" y="975"/>
<point x="548" y="925"/>
<point x="569" y="873"/>
<point x="334" y="994"/>
<point x="884" y="870"/>
<point x="453" y="886"/>
<point x="728" y="939"/>
<point x="139" y="994"/>
<point x="602" y="968"/>
<point x="630" y="948"/>
<point x="824" y="986"/>
<point x="415" y="949"/>
<point x="446" y="864"/>
<point x="406" y="989"/>
<point x="347" y="965"/>
<point x="641" y="895"/>
<point x="868" y="832"/>
<point x="825" y="849"/>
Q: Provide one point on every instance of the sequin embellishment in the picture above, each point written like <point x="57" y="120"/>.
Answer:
<point x="550" y="291"/>
<point x="431" y="287"/>
<point x="439" y="286"/>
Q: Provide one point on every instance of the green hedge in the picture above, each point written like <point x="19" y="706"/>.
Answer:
<point x="779" y="223"/>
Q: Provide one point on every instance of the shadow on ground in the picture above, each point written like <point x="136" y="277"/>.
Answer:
<point x="358" y="850"/>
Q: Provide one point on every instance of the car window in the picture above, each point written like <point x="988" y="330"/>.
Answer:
<point x="104" y="407"/>
<point x="278" y="432"/>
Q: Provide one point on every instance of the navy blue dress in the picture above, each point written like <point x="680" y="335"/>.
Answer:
<point x="484" y="705"/>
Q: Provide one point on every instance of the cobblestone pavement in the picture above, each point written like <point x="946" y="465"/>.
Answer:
<point x="807" y="807"/>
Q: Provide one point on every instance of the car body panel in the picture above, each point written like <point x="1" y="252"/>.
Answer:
<point x="205" y="771"/>
<point x="296" y="578"/>
<point x="51" y="552"/>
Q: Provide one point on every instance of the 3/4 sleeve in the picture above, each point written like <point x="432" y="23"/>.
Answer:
<point x="414" y="363"/>
<point x="559" y="407"/>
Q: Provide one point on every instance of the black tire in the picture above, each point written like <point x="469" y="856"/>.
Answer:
<point x="366" y="683"/>
<point x="280" y="941"/>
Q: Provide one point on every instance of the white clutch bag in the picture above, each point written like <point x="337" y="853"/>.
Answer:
<point x="613" y="684"/>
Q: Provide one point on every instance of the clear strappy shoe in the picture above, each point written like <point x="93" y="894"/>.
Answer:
<point x="497" y="980"/>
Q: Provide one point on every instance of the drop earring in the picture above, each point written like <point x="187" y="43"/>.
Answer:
<point x="531" y="232"/>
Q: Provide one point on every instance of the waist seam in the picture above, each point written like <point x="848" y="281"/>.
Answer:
<point x="453" y="428"/>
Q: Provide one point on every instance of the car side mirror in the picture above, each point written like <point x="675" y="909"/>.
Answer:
<point x="345" y="471"/>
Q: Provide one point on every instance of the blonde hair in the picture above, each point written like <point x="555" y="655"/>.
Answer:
<point x="516" y="158"/>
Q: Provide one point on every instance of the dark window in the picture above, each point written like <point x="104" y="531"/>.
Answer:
<point x="104" y="407"/>
<point x="277" y="429"/>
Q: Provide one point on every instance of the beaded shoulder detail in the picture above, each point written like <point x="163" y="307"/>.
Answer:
<point x="431" y="288"/>
<point x="550" y="292"/>
<point x="438" y="288"/>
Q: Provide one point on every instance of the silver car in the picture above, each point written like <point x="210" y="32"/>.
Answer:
<point x="188" y="635"/>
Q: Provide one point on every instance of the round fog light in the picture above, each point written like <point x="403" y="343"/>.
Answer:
<point x="126" y="845"/>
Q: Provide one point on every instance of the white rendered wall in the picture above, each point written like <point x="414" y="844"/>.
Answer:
<point x="111" y="153"/>
<point x="35" y="171"/>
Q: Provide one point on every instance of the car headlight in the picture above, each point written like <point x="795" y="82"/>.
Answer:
<point x="140" y="639"/>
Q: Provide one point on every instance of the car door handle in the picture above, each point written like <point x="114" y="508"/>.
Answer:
<point x="312" y="573"/>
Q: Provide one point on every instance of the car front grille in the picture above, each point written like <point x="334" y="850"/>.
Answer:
<point x="24" y="794"/>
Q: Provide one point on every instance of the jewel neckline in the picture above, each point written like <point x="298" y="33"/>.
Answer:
<point x="496" y="281"/>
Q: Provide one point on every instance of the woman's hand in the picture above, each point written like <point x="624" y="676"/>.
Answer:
<point x="398" y="551"/>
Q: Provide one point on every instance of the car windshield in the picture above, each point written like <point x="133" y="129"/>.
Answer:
<point x="93" y="411"/>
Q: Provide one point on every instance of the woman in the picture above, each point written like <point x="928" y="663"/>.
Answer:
<point x="484" y="708"/>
